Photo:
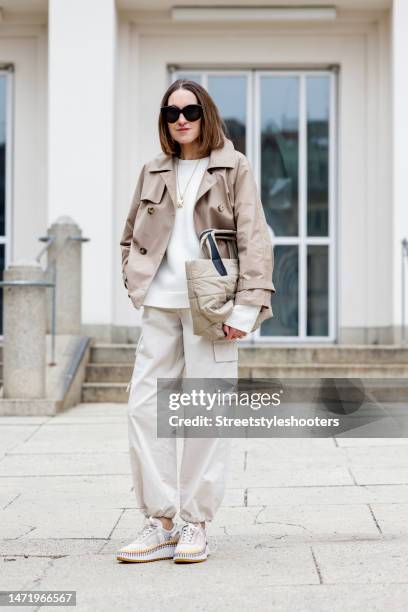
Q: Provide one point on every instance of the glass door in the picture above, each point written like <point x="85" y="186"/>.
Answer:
<point x="294" y="164"/>
<point x="283" y="121"/>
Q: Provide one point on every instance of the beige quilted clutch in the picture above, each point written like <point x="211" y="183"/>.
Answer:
<point x="212" y="284"/>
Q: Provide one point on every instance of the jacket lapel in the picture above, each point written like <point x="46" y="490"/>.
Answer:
<point x="219" y="158"/>
<point x="170" y="179"/>
<point x="207" y="182"/>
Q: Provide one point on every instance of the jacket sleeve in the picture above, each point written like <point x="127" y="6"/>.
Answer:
<point x="255" y="252"/>
<point x="243" y="317"/>
<point x="127" y="232"/>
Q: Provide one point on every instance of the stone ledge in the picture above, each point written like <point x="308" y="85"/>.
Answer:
<point x="29" y="407"/>
<point x="64" y="379"/>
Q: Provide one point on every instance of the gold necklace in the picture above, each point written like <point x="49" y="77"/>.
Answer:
<point x="180" y="198"/>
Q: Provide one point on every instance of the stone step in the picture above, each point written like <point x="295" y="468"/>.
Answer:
<point x="278" y="354"/>
<point x="112" y="353"/>
<point x="377" y="390"/>
<point x="104" y="392"/>
<point x="122" y="372"/>
<point x="109" y="372"/>
<point x="324" y="370"/>
<point x="345" y="354"/>
<point x="111" y="367"/>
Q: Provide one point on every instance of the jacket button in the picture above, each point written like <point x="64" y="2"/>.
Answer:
<point x="143" y="251"/>
<point x="150" y="210"/>
<point x="220" y="207"/>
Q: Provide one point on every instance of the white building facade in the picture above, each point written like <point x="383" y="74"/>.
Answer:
<point x="316" y="98"/>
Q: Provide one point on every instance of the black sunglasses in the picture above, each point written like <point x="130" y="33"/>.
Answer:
<point x="191" y="112"/>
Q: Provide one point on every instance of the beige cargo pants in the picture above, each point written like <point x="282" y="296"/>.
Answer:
<point x="167" y="348"/>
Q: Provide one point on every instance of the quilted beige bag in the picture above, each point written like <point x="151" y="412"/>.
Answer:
<point x="212" y="284"/>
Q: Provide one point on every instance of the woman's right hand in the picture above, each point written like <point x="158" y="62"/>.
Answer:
<point x="231" y="333"/>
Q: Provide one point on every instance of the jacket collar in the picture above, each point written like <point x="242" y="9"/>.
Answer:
<point x="219" y="158"/>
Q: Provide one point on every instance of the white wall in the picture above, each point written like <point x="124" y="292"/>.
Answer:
<point x="128" y="161"/>
<point x="82" y="51"/>
<point x="399" y="152"/>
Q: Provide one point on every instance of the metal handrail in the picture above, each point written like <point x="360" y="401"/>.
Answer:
<point x="49" y="240"/>
<point x="24" y="282"/>
<point x="404" y="257"/>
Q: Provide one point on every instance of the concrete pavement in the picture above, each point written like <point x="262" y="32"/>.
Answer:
<point x="306" y="525"/>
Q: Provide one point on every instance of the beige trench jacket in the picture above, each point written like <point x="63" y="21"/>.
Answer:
<point x="227" y="198"/>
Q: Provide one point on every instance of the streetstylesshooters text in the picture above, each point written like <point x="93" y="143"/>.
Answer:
<point x="254" y="401"/>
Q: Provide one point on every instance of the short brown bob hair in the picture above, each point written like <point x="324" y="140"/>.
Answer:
<point x="213" y="130"/>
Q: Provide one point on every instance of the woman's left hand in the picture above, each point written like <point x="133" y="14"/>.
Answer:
<point x="232" y="333"/>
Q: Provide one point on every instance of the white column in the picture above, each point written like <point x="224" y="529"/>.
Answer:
<point x="399" y="208"/>
<point x="82" y="50"/>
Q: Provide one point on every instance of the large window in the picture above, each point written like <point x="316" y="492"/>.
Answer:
<point x="283" y="121"/>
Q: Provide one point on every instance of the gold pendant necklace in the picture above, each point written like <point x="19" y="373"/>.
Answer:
<point x="180" y="198"/>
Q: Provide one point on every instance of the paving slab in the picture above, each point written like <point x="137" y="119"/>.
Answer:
<point x="260" y="476"/>
<point x="300" y="523"/>
<point x="377" y="456"/>
<point x="94" y="409"/>
<point x="32" y="547"/>
<point x="391" y="518"/>
<point x="59" y="464"/>
<point x="363" y="562"/>
<point x="379" y="475"/>
<point x="11" y="436"/>
<point x="24" y="420"/>
<point x="364" y="442"/>
<point x="51" y="519"/>
<point x="75" y="437"/>
<point x="338" y="495"/>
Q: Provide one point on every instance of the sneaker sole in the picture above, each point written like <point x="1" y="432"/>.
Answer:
<point x="127" y="560"/>
<point x="187" y="560"/>
<point x="157" y="554"/>
<point x="196" y="559"/>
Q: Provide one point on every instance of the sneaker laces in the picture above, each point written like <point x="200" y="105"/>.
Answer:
<point x="149" y="526"/>
<point x="187" y="533"/>
<point x="189" y="529"/>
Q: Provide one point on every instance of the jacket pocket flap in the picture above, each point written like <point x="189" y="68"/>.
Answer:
<point x="153" y="191"/>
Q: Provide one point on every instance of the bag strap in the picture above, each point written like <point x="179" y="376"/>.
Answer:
<point x="208" y="239"/>
<point x="229" y="235"/>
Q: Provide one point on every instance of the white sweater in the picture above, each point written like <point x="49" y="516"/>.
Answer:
<point x="168" y="288"/>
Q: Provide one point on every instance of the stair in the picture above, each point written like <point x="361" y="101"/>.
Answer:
<point x="111" y="367"/>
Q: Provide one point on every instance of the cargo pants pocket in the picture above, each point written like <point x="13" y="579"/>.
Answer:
<point x="225" y="350"/>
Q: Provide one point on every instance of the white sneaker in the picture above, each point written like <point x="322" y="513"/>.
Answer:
<point x="152" y="543"/>
<point x="192" y="545"/>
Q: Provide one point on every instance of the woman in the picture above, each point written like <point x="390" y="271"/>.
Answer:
<point x="199" y="181"/>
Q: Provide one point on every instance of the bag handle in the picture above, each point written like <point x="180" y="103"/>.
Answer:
<point x="229" y="235"/>
<point x="208" y="239"/>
